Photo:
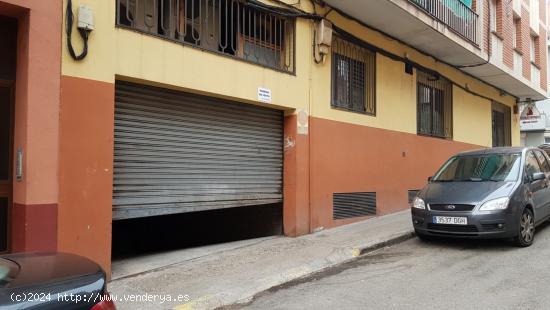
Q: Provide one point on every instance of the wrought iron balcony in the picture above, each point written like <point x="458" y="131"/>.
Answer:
<point x="460" y="18"/>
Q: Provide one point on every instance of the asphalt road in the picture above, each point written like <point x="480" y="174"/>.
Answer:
<point x="444" y="274"/>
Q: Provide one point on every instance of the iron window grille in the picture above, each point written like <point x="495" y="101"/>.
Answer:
<point x="434" y="106"/>
<point x="353" y="77"/>
<point x="228" y="27"/>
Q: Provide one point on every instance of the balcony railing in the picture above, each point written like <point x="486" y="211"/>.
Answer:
<point x="456" y="15"/>
<point x="229" y="27"/>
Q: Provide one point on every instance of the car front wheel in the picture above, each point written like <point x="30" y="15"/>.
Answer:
<point x="526" y="229"/>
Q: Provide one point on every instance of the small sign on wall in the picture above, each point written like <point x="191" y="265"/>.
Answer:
<point x="303" y="122"/>
<point x="264" y="94"/>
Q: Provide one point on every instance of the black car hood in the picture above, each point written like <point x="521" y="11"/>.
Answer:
<point x="465" y="192"/>
<point x="44" y="268"/>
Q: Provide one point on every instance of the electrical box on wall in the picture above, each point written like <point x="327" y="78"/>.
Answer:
<point x="85" y="17"/>
<point x="323" y="35"/>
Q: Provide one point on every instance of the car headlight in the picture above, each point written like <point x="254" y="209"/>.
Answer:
<point x="495" y="204"/>
<point x="418" y="203"/>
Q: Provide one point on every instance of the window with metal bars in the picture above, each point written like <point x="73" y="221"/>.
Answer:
<point x="434" y="106"/>
<point x="353" y="77"/>
<point x="229" y="27"/>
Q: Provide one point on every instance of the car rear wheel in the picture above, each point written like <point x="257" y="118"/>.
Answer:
<point x="526" y="229"/>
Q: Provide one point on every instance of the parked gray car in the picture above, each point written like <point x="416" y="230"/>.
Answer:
<point x="489" y="193"/>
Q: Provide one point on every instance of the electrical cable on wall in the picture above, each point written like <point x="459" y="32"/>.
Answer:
<point x="83" y="30"/>
<point x="414" y="64"/>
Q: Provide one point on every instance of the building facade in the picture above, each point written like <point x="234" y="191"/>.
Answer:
<point x="535" y="124"/>
<point x="30" y="73"/>
<point x="534" y="118"/>
<point x="321" y="107"/>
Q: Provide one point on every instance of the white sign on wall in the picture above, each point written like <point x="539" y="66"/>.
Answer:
<point x="264" y="94"/>
<point x="531" y="119"/>
<point x="303" y="122"/>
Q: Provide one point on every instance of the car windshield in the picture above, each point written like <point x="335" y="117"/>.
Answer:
<point x="480" y="168"/>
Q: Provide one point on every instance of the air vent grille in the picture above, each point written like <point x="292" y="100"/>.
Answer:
<point x="349" y="205"/>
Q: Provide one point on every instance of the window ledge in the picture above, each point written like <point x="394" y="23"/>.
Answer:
<point x="433" y="136"/>
<point x="497" y="34"/>
<point x="353" y="111"/>
<point x="535" y="64"/>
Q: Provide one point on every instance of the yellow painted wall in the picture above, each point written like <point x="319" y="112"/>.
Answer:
<point x="471" y="118"/>
<point x="393" y="85"/>
<point x="194" y="70"/>
<point x="395" y="97"/>
<point x="125" y="54"/>
<point x="99" y="65"/>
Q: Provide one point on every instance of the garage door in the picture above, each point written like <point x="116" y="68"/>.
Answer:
<point x="177" y="152"/>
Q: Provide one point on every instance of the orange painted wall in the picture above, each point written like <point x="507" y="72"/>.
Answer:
<point x="37" y="87"/>
<point x="37" y="96"/>
<point x="295" y="180"/>
<point x="353" y="158"/>
<point x="85" y="174"/>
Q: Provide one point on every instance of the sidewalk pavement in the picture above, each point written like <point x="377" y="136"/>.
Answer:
<point x="238" y="274"/>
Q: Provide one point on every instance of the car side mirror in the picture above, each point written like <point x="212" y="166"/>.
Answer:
<point x="430" y="179"/>
<point x="537" y="176"/>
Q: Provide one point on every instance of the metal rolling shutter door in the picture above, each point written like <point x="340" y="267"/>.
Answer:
<point x="177" y="152"/>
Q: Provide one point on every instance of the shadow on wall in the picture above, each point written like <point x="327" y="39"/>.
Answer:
<point x="170" y="232"/>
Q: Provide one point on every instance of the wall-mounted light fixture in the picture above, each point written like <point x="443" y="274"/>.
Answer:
<point x="323" y="40"/>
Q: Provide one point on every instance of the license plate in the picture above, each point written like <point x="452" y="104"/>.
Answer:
<point x="452" y="220"/>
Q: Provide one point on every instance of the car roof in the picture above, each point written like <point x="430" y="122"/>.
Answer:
<point x="496" y="150"/>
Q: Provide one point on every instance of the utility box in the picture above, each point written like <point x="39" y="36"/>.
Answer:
<point x="85" y="17"/>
